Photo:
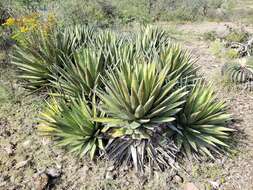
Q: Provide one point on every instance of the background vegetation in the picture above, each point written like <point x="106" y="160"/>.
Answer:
<point x="121" y="11"/>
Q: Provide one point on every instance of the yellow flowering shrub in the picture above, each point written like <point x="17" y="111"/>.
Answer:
<point x="10" y="22"/>
<point x="23" y="26"/>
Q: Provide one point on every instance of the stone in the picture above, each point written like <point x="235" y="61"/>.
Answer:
<point x="41" y="181"/>
<point x="215" y="184"/>
<point x="109" y="176"/>
<point x="22" y="164"/>
<point x="190" y="186"/>
<point x="177" y="179"/>
<point x="9" y="149"/>
<point x="53" y="172"/>
<point x="27" y="143"/>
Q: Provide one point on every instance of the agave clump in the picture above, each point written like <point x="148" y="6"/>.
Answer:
<point x="202" y="123"/>
<point x="150" y="106"/>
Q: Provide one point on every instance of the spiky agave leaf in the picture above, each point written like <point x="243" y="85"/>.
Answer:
<point x="202" y="123"/>
<point x="71" y="126"/>
<point x="81" y="75"/>
<point x="139" y="103"/>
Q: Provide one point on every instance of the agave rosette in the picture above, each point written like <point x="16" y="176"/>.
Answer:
<point x="239" y="72"/>
<point x="41" y="52"/>
<point x="202" y="123"/>
<point x="71" y="125"/>
<point x="140" y="97"/>
<point x="140" y="103"/>
<point x="79" y="76"/>
<point x="151" y="40"/>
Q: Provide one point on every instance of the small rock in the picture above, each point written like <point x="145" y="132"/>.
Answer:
<point x="110" y="168"/>
<point x="190" y="186"/>
<point x="53" y="172"/>
<point x="85" y="169"/>
<point x="22" y="164"/>
<point x="177" y="179"/>
<point x="143" y="180"/>
<point x="9" y="150"/>
<point x="41" y="181"/>
<point x="3" y="184"/>
<point x="27" y="143"/>
<point x="214" y="184"/>
<point x="109" y="176"/>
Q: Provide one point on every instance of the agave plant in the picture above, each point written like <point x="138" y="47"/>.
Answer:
<point x="139" y="103"/>
<point x="155" y="44"/>
<point x="71" y="125"/>
<point x="239" y="72"/>
<point x="202" y="123"/>
<point x="80" y="35"/>
<point x="110" y="43"/>
<point x="41" y="52"/>
<point x="35" y="59"/>
<point x="179" y="61"/>
<point x="151" y="40"/>
<point x="81" y="75"/>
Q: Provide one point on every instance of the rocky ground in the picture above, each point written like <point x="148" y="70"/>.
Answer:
<point x="30" y="161"/>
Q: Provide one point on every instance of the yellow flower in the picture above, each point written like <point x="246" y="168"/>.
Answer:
<point x="51" y="18"/>
<point x="10" y="21"/>
<point x="23" y="29"/>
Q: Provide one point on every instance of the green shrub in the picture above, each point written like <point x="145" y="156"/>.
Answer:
<point x="69" y="12"/>
<point x="237" y="35"/>
<point x="191" y="10"/>
<point x="232" y="54"/>
<point x="211" y="36"/>
<point x="5" y="13"/>
<point x="216" y="47"/>
<point x="112" y="12"/>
